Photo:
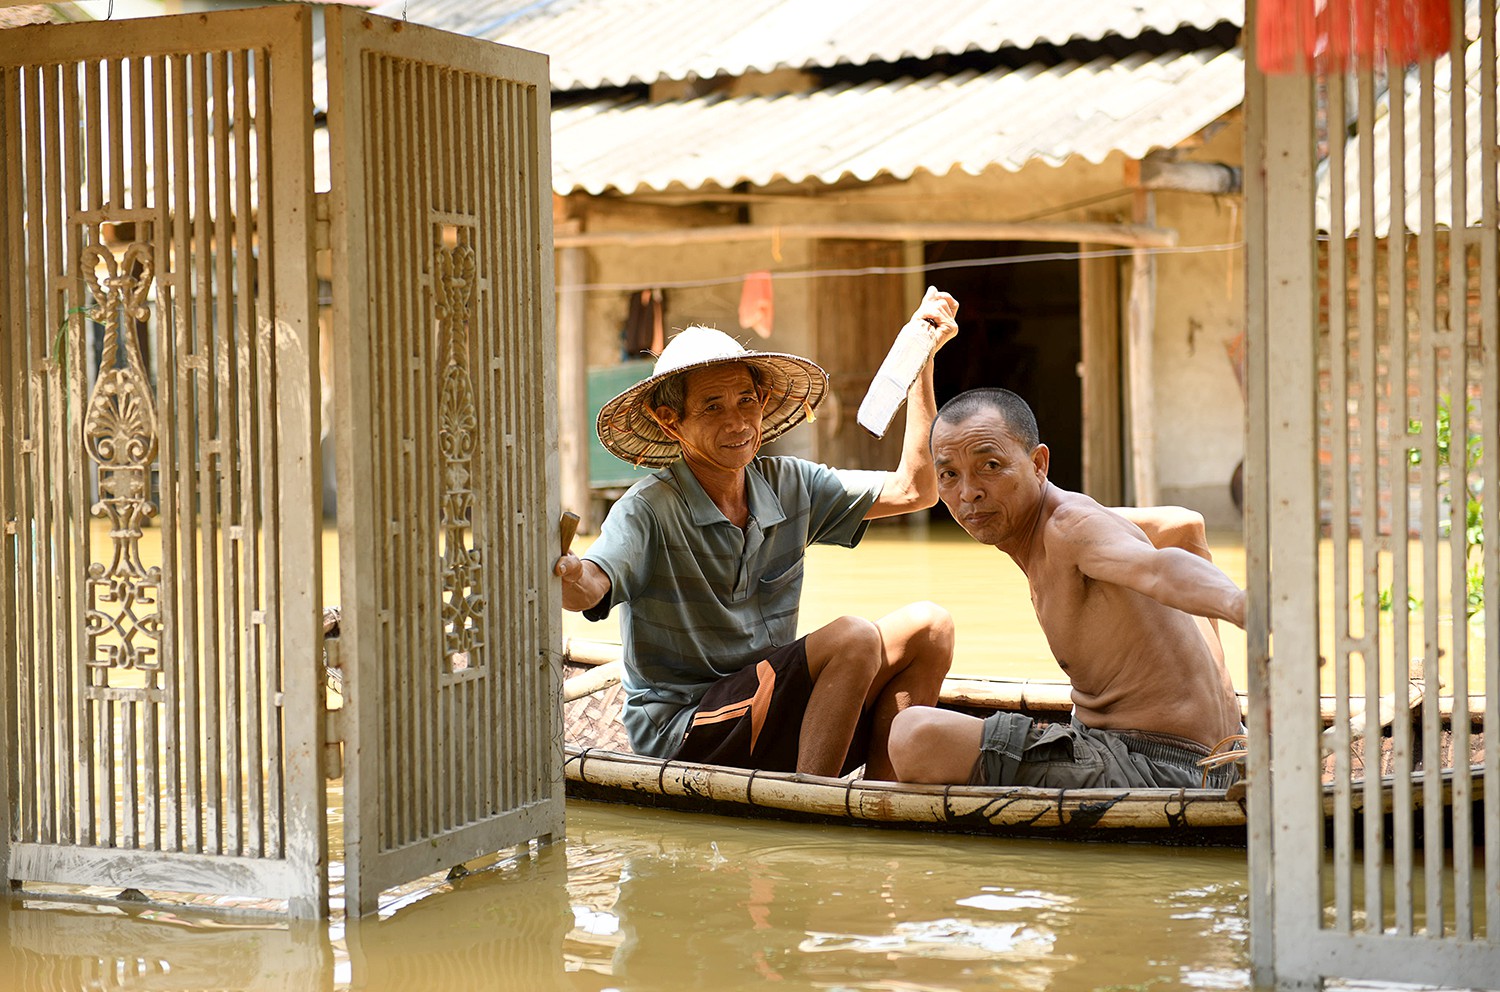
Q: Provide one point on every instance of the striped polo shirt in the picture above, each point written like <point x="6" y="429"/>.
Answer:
<point x="701" y="598"/>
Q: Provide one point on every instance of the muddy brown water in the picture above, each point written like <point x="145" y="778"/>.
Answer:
<point x="638" y="900"/>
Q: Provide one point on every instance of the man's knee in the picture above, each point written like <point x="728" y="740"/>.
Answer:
<point x="849" y="643"/>
<point x="937" y="622"/>
<point x="927" y="746"/>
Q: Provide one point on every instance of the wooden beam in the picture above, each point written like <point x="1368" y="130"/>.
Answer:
<point x="1099" y="319"/>
<point x="1140" y="330"/>
<point x="1118" y="235"/>
<point x="574" y="430"/>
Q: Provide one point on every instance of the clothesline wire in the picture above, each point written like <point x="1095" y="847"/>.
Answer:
<point x="883" y="270"/>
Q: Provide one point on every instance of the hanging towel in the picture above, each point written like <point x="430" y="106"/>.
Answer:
<point x="755" y="304"/>
<point x="644" y="330"/>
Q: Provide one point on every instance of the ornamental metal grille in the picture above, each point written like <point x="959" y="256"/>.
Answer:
<point x="1375" y="468"/>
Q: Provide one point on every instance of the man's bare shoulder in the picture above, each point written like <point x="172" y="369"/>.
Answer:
<point x="1076" y="517"/>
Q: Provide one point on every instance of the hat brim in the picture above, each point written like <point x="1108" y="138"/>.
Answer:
<point x="795" y="387"/>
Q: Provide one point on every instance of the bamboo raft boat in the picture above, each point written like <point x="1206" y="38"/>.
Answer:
<point x="599" y="766"/>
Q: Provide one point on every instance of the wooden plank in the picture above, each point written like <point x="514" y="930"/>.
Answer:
<point x="1140" y="374"/>
<point x="574" y="429"/>
<point x="1099" y="317"/>
<point x="856" y="318"/>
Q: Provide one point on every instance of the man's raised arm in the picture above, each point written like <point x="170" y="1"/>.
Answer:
<point x="913" y="485"/>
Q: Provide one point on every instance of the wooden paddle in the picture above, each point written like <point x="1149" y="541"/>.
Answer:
<point x="602" y="676"/>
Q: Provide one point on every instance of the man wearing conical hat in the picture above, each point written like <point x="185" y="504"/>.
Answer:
<point x="705" y="557"/>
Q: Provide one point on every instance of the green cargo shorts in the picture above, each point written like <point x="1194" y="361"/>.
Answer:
<point x="1016" y="750"/>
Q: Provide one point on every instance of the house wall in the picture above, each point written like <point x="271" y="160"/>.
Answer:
<point x="1200" y="311"/>
<point x="702" y="285"/>
<point x="1199" y="297"/>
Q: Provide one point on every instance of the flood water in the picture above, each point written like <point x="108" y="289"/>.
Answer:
<point x="635" y="900"/>
<point x="638" y="900"/>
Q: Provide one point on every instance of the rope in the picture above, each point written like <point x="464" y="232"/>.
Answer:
<point x="1229" y="750"/>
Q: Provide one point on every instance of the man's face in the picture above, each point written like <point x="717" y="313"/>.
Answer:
<point x="987" y="478"/>
<point x="720" y="425"/>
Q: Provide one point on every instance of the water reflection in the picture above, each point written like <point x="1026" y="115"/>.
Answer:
<point x="641" y="901"/>
<point x="57" y="948"/>
<point x="715" y="903"/>
<point x="497" y="929"/>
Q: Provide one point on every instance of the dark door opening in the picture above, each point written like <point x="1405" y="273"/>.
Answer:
<point x="1018" y="329"/>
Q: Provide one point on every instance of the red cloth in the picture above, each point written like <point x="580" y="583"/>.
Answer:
<point x="1335" y="35"/>
<point x="756" y="309"/>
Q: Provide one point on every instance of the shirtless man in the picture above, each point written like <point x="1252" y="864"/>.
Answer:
<point x="1128" y="621"/>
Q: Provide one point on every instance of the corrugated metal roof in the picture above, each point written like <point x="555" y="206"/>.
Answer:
<point x="599" y="43"/>
<point x="969" y="122"/>
<point x="1442" y="157"/>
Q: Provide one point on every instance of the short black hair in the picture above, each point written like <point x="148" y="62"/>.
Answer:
<point x="1013" y="410"/>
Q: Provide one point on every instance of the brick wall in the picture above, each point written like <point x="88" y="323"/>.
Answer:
<point x="1448" y="371"/>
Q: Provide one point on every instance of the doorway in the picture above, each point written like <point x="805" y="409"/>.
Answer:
<point x="1019" y="330"/>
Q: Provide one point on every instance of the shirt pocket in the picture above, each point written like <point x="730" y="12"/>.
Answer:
<point x="780" y="596"/>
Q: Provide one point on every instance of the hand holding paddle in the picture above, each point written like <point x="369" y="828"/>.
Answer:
<point x="568" y="567"/>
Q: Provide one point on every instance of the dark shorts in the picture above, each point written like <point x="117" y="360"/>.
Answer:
<point x="1015" y="750"/>
<point x="753" y="718"/>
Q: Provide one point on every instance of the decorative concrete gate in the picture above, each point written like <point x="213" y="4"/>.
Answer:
<point x="443" y="275"/>
<point x="1374" y="501"/>
<point x="162" y="703"/>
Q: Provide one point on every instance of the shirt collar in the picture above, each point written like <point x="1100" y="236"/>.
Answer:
<point x="765" y="507"/>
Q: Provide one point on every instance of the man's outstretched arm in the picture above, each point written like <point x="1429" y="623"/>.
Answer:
<point x="1108" y="548"/>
